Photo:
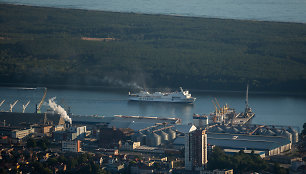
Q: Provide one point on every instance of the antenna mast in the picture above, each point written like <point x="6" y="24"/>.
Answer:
<point x="247" y="98"/>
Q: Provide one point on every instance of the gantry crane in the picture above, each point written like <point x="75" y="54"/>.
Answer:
<point x="12" y="105"/>
<point x="25" y="106"/>
<point x="2" y="103"/>
<point x="41" y="102"/>
<point x="215" y="106"/>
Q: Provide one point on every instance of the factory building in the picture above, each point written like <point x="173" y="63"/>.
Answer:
<point x="71" y="146"/>
<point x="21" y="119"/>
<point x="195" y="150"/>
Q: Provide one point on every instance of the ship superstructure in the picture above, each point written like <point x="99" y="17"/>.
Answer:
<point x="175" y="97"/>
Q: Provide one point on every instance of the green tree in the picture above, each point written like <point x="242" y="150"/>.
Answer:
<point x="304" y="129"/>
<point x="31" y="143"/>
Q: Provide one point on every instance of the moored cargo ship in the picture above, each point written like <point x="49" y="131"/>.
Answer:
<point x="173" y="97"/>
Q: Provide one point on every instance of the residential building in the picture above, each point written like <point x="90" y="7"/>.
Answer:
<point x="196" y="150"/>
<point x="20" y="134"/>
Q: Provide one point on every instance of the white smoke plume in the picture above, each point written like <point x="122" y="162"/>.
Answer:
<point x="58" y="109"/>
<point x="121" y="83"/>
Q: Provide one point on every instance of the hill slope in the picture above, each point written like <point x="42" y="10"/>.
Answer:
<point x="62" y="46"/>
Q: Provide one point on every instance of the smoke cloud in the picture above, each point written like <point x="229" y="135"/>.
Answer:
<point x="58" y="109"/>
<point x="121" y="83"/>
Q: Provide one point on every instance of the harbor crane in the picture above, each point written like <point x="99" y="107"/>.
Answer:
<point x="12" y="106"/>
<point x="41" y="102"/>
<point x="25" y="106"/>
<point x="220" y="109"/>
<point x="2" y="103"/>
<point x="218" y="103"/>
<point x="215" y="106"/>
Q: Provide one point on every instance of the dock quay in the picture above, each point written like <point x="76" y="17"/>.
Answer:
<point x="238" y="119"/>
<point x="117" y="119"/>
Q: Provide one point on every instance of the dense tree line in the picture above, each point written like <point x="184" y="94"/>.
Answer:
<point x="44" y="46"/>
<point x="241" y="162"/>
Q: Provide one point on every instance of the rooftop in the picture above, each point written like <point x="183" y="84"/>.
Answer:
<point x="234" y="141"/>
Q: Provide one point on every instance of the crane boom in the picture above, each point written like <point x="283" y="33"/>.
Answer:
<point x="42" y="100"/>
<point x="215" y="106"/>
<point x="25" y="106"/>
<point x="12" y="105"/>
<point x="218" y="103"/>
<point x="2" y="103"/>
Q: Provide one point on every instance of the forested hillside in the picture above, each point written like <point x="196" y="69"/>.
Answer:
<point x="47" y="46"/>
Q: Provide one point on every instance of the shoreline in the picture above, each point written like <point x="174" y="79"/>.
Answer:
<point x="156" y="14"/>
<point x="109" y="87"/>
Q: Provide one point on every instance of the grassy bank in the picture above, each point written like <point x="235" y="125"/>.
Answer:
<point x="63" y="46"/>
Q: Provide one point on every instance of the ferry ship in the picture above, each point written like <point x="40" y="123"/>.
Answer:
<point x="173" y="97"/>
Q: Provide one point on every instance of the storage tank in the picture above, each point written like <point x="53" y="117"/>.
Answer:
<point x="286" y="134"/>
<point x="154" y="139"/>
<point x="164" y="136"/>
<point x="171" y="134"/>
<point x="295" y="134"/>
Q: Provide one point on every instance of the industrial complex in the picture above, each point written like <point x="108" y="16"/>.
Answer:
<point x="149" y="137"/>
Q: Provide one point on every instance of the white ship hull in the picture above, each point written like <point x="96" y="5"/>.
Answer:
<point x="151" y="99"/>
<point x="174" y="97"/>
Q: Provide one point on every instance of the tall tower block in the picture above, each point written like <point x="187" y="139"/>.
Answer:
<point x="196" y="150"/>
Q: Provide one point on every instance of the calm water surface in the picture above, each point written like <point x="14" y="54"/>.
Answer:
<point x="263" y="10"/>
<point x="269" y="108"/>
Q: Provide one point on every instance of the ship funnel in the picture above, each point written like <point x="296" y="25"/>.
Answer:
<point x="181" y="89"/>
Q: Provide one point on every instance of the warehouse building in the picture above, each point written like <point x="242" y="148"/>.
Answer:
<point x="271" y="145"/>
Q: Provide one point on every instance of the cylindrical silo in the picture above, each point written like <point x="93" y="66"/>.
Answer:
<point x="164" y="136"/>
<point x="171" y="133"/>
<point x="295" y="134"/>
<point x="286" y="134"/>
<point x="154" y="139"/>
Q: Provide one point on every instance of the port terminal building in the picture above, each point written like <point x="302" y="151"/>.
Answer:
<point x="271" y="145"/>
